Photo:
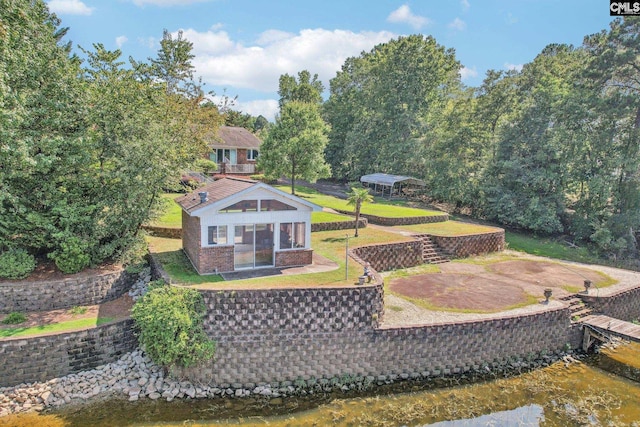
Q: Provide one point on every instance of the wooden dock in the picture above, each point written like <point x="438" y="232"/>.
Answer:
<point x="599" y="327"/>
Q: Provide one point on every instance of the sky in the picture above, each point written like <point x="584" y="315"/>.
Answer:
<point x="242" y="47"/>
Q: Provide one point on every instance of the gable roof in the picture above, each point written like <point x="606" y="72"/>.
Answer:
<point x="235" y="137"/>
<point x="227" y="187"/>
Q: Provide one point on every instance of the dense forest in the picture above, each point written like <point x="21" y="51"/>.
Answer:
<point x="553" y="149"/>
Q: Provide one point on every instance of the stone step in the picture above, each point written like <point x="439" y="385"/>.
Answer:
<point x="578" y="315"/>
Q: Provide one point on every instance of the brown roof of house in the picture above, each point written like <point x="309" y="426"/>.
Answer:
<point x="235" y="137"/>
<point x="217" y="190"/>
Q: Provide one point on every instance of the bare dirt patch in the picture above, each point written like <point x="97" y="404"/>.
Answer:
<point x="494" y="287"/>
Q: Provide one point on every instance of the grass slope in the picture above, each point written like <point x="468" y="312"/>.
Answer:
<point x="54" y="327"/>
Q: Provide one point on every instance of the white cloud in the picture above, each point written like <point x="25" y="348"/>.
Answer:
<point x="266" y="107"/>
<point x="120" y="40"/>
<point x="221" y="61"/>
<point x="167" y="2"/>
<point x="510" y="19"/>
<point x="465" y="5"/>
<point x="458" y="24"/>
<point x="69" y="7"/>
<point x="404" y="15"/>
<point x="517" y="67"/>
<point x="468" y="73"/>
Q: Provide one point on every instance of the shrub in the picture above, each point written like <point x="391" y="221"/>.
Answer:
<point x="76" y="310"/>
<point x="16" y="264"/>
<point x="14" y="318"/>
<point x="170" y="327"/>
<point x="71" y="257"/>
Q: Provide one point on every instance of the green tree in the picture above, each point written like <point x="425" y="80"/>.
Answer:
<point x="42" y="124"/>
<point x="305" y="89"/>
<point x="382" y="105"/>
<point x="173" y="63"/>
<point x="170" y="324"/>
<point x="295" y="144"/>
<point x="356" y="197"/>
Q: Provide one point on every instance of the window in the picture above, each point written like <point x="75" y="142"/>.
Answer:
<point x="224" y="155"/>
<point x="217" y="235"/>
<point x="242" y="206"/>
<point x="275" y="205"/>
<point x="292" y="235"/>
<point x="252" y="154"/>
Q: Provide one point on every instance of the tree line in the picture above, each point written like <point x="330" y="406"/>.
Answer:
<point x="553" y="149"/>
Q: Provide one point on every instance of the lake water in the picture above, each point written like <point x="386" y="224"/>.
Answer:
<point x="564" y="394"/>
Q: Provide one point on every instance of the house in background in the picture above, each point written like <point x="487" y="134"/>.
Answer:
<point x="235" y="150"/>
<point x="237" y="224"/>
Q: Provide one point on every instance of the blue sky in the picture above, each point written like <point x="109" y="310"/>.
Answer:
<point x="243" y="46"/>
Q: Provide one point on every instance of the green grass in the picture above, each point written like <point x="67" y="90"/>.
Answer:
<point x="449" y="228"/>
<point x="318" y="217"/>
<point x="55" y="327"/>
<point x="172" y="216"/>
<point x="175" y="262"/>
<point x="548" y="248"/>
<point x="330" y="244"/>
<point x="380" y="207"/>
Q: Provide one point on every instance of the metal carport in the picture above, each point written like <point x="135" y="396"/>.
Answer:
<point x="390" y="184"/>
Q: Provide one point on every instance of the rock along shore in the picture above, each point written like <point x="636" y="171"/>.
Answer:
<point x="136" y="376"/>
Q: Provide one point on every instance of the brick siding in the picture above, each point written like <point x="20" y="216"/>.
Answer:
<point x="294" y="258"/>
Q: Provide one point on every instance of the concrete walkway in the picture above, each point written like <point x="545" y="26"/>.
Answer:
<point x="320" y="265"/>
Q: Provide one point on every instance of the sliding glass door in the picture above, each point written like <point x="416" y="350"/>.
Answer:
<point x="253" y="246"/>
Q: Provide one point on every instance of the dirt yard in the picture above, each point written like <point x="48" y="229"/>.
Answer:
<point x="495" y="286"/>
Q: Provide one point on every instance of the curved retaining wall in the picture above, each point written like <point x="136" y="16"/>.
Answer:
<point x="624" y="305"/>
<point x="77" y="290"/>
<point x="26" y="360"/>
<point x="391" y="256"/>
<point x="332" y="337"/>
<point x="475" y="244"/>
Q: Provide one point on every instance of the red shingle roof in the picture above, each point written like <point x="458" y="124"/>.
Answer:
<point x="217" y="190"/>
<point x="235" y="137"/>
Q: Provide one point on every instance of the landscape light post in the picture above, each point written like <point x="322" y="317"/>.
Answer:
<point x="346" y="259"/>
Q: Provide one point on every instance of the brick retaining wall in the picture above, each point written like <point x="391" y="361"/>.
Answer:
<point x="294" y="258"/>
<point x="26" y="360"/>
<point x="475" y="244"/>
<point x="76" y="290"/>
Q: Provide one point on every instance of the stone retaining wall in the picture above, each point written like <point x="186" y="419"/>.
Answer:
<point x="382" y="220"/>
<point x="403" y="352"/>
<point x="391" y="256"/>
<point x="32" y="359"/>
<point x="475" y="244"/>
<point x="292" y="311"/>
<point x="624" y="305"/>
<point x="338" y="225"/>
<point x="76" y="290"/>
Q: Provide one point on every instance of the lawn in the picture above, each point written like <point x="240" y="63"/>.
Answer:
<point x="449" y="228"/>
<point x="172" y="216"/>
<point x="54" y="327"/>
<point x="548" y="247"/>
<point x="319" y="217"/>
<point x="380" y="207"/>
<point x="330" y="244"/>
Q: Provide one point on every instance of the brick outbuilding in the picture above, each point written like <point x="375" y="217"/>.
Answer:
<point x="237" y="224"/>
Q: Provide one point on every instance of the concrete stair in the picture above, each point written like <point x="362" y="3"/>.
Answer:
<point x="430" y="252"/>
<point x="578" y="309"/>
